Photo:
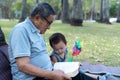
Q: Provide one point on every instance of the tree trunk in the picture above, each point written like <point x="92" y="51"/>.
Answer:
<point x="101" y="11"/>
<point x="93" y="15"/>
<point x="118" y="17"/>
<point x="65" y="11"/>
<point x="23" y="12"/>
<point x="104" y="12"/>
<point x="77" y="13"/>
<point x="0" y="13"/>
<point x="107" y="12"/>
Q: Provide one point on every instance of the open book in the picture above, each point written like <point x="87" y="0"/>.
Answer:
<point x="69" y="68"/>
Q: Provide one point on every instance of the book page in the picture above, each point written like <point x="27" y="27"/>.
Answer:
<point x="69" y="68"/>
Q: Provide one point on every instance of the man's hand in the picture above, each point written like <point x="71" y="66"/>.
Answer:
<point x="60" y="75"/>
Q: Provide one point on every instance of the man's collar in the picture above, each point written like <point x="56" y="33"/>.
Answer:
<point x="32" y="27"/>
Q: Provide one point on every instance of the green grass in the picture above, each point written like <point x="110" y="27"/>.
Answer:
<point x="101" y="42"/>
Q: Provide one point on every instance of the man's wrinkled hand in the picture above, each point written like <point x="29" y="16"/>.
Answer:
<point x="60" y="75"/>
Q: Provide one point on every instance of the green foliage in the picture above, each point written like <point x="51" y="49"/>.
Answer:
<point x="114" y="8"/>
<point x="87" y="5"/>
<point x="31" y="3"/>
<point x="18" y="3"/>
<point x="17" y="6"/>
<point x="56" y="4"/>
<point x="7" y="27"/>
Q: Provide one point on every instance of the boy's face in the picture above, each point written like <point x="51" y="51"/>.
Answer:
<point x="60" y="47"/>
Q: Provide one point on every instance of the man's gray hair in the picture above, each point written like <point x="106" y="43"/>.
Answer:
<point x="43" y="9"/>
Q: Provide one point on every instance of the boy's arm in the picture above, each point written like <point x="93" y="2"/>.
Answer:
<point x="53" y="59"/>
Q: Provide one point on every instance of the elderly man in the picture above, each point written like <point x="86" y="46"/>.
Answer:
<point x="27" y="48"/>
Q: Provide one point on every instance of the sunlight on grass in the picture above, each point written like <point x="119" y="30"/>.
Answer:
<point x="101" y="42"/>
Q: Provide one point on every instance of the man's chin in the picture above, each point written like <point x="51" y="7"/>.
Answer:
<point x="42" y="32"/>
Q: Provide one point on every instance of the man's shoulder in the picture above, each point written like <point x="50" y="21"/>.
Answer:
<point x="21" y="27"/>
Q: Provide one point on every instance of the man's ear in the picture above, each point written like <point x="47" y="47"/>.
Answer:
<point x="37" y="17"/>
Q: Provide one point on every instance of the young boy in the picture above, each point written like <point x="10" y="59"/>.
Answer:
<point x="58" y="43"/>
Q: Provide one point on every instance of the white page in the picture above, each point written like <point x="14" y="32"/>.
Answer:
<point x="70" y="68"/>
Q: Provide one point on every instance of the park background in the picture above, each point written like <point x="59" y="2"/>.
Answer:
<point x="94" y="22"/>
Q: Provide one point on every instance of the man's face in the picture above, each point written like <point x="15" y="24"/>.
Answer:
<point x="44" y="23"/>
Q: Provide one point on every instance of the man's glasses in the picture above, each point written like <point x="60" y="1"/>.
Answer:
<point x="48" y="21"/>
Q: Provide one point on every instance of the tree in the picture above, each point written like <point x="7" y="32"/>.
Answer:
<point x="65" y="11"/>
<point x="6" y="6"/>
<point x="107" y="11"/>
<point x="104" y="12"/>
<point x="101" y="11"/>
<point x="93" y="15"/>
<point x="77" y="13"/>
<point x="24" y="11"/>
<point x="118" y="17"/>
<point x="114" y="5"/>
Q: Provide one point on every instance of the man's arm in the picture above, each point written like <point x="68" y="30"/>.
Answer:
<point x="25" y="66"/>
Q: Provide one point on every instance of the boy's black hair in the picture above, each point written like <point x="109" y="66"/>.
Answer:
<point x="2" y="38"/>
<point x="56" y="38"/>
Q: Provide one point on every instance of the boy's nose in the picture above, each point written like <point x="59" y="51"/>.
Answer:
<point x="60" y="51"/>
